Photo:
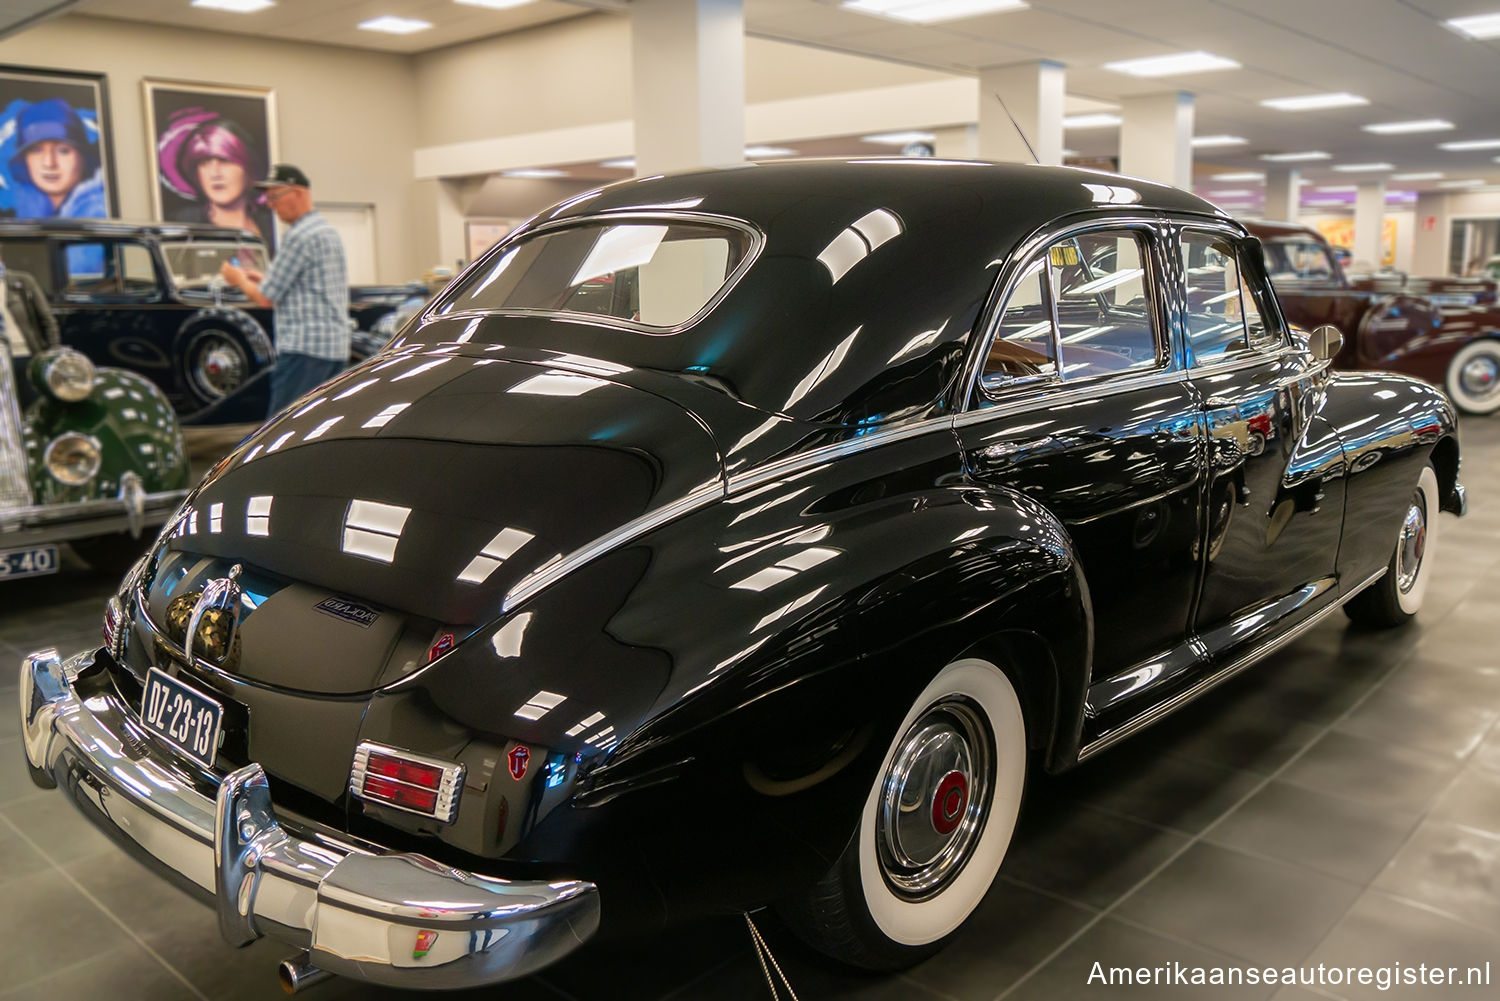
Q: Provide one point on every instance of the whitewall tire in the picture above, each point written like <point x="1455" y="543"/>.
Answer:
<point x="934" y="828"/>
<point x="1473" y="380"/>
<point x="1397" y="597"/>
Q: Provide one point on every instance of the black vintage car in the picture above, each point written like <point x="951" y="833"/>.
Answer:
<point x="144" y="297"/>
<point x="757" y="572"/>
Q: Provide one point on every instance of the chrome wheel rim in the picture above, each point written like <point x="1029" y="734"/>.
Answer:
<point x="219" y="366"/>
<point x="934" y="799"/>
<point x="1413" y="544"/>
<point x="1480" y="376"/>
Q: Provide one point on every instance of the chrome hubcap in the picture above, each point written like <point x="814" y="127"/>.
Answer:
<point x="1413" y="544"/>
<point x="1480" y="376"/>
<point x="933" y="801"/>
<point x="221" y="368"/>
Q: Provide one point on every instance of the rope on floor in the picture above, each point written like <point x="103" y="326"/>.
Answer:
<point x="768" y="964"/>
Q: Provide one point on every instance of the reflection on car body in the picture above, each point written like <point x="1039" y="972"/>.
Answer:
<point x="762" y="584"/>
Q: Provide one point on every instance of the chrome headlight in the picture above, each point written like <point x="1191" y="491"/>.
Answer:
<point x="70" y="376"/>
<point x="73" y="458"/>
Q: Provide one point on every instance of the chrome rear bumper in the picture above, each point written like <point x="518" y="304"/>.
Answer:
<point x="397" y="919"/>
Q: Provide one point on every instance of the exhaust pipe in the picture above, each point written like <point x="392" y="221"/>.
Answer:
<point x="297" y="974"/>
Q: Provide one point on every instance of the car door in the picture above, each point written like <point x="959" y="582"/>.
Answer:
<point x="1082" y="405"/>
<point x="1275" y="487"/>
<point x="108" y="305"/>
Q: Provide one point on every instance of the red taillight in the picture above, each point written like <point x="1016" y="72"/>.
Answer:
<point x="407" y="781"/>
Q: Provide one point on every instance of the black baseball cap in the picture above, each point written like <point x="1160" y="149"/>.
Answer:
<point x="283" y="174"/>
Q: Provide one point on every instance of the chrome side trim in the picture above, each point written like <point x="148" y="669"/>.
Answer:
<point x="1061" y="394"/>
<point x="1164" y="708"/>
<point x="550" y="573"/>
<point x="823" y="453"/>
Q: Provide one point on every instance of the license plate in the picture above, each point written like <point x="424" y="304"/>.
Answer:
<point x="184" y="716"/>
<point x="33" y="562"/>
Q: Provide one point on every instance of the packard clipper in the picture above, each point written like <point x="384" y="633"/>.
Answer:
<point x="732" y="539"/>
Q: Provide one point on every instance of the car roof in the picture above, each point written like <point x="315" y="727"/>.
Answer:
<point x="120" y="228"/>
<point x="911" y="187"/>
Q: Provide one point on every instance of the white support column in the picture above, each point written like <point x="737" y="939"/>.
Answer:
<point x="1369" y="226"/>
<point x="1429" y="252"/>
<point x="1156" y="138"/>
<point x="1034" y="94"/>
<point x="688" y="71"/>
<point x="1283" y="193"/>
<point x="960" y="142"/>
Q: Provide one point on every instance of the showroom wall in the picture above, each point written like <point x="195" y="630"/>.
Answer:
<point x="345" y="116"/>
<point x="577" y="72"/>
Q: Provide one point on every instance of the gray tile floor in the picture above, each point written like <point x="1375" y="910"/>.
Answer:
<point x="1339" y="804"/>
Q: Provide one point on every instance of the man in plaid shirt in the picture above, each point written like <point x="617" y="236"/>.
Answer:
<point x="307" y="284"/>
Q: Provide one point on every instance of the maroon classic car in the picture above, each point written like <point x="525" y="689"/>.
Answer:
<point x="1444" y="330"/>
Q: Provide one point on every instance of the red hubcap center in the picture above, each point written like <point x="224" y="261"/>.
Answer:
<point x="949" y="802"/>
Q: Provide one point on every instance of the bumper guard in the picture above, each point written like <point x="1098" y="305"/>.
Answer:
<point x="401" y="920"/>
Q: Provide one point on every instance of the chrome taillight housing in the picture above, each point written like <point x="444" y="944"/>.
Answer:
<point x="407" y="781"/>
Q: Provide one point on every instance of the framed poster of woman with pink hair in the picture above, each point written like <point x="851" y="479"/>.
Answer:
<point x="209" y="145"/>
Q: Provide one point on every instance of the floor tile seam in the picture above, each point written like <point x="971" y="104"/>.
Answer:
<point x="549" y="985"/>
<point x="50" y="865"/>
<point x="124" y="926"/>
<point x="1195" y="839"/>
<point x="1061" y="898"/>
<point x="700" y="978"/>
<point x="1436" y="911"/>
<point x="1179" y="940"/>
<point x="907" y="978"/>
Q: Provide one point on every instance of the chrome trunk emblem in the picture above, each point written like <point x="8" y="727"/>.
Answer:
<point x="215" y="619"/>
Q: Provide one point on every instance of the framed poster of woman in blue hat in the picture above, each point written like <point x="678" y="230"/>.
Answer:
<point x="210" y="145"/>
<point x="54" y="145"/>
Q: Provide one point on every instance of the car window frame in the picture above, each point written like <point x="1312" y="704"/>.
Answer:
<point x="528" y="231"/>
<point x="112" y="243"/>
<point x="1251" y="264"/>
<point x="979" y="398"/>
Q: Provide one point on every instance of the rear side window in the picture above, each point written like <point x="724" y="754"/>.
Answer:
<point x="1223" y="317"/>
<point x="658" y="274"/>
<point x="1081" y="309"/>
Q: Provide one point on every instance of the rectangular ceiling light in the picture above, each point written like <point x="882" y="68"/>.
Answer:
<point x="534" y="173"/>
<point x="1238" y="193"/>
<point x="1097" y="120"/>
<point x="1468" y="182"/>
<point x="235" y="6"/>
<point x="1210" y="142"/>
<point x="623" y="163"/>
<point x="1314" y="102"/>
<point x="495" y="4"/>
<point x="899" y="138"/>
<point x="1401" y="128"/>
<point x="1471" y="144"/>
<point x="1173" y="65"/>
<point x="767" y="152"/>
<point x="1312" y="154"/>
<point x="1477" y="25"/>
<point x="1333" y="189"/>
<point x="392" y="25"/>
<point x="1429" y="175"/>
<point x="932" y="11"/>
<point x="1362" y="168"/>
<point x="1241" y="175"/>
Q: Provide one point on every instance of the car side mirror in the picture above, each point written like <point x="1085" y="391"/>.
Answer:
<point x="1325" y="342"/>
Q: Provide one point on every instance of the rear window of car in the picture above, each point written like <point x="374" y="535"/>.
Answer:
<point x="655" y="274"/>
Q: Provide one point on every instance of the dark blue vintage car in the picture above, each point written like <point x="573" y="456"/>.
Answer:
<point x="732" y="539"/>
<point x="144" y="297"/>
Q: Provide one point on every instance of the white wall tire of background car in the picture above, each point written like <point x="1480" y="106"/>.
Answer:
<point x="923" y="922"/>
<point x="1473" y="380"/>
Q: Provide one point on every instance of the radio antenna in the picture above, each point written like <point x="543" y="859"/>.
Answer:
<point x="1017" y="124"/>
